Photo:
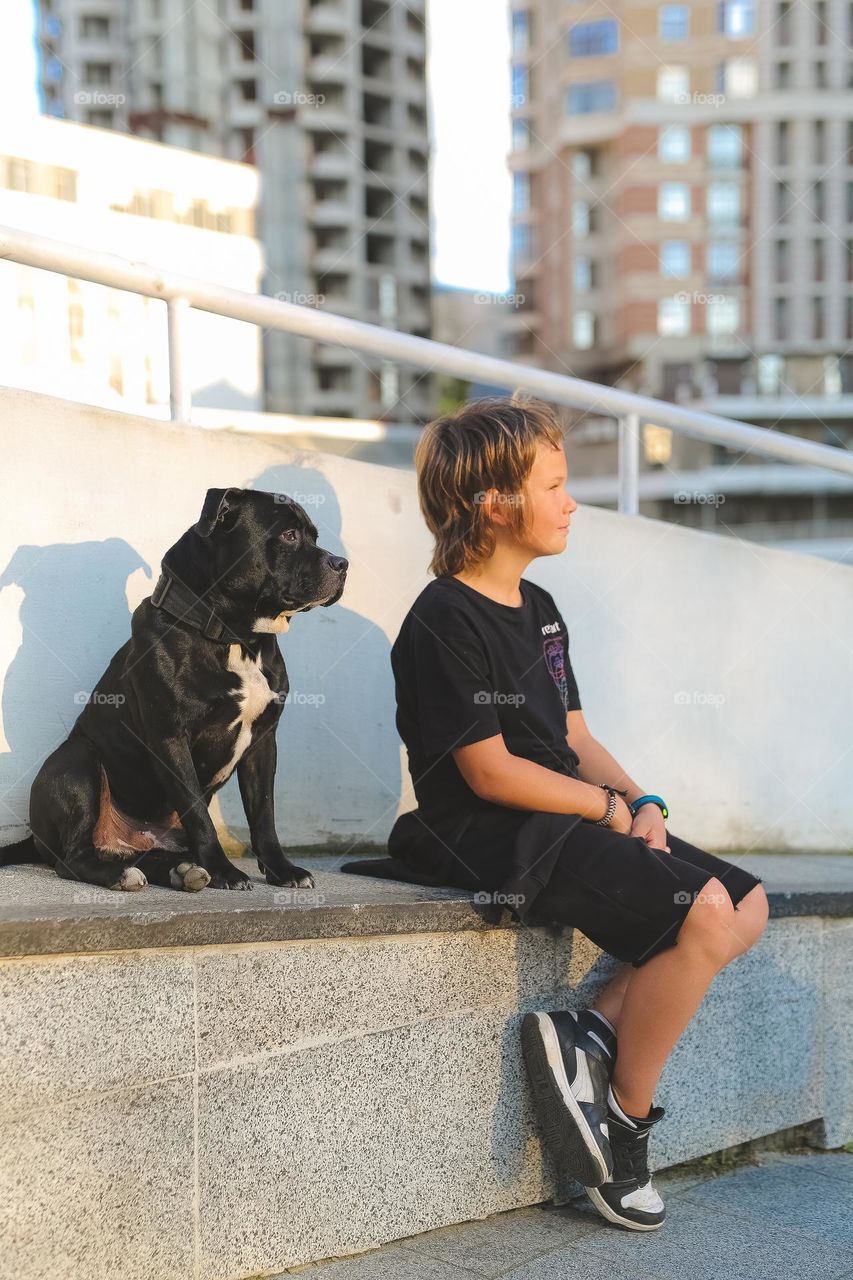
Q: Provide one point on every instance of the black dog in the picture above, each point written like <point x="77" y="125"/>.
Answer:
<point x="196" y="692"/>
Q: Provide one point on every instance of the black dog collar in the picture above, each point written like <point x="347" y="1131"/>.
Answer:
<point x="173" y="597"/>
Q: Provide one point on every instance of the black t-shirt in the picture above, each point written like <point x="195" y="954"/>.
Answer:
<point x="466" y="668"/>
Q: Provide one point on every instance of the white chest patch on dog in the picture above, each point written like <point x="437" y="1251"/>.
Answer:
<point x="254" y="696"/>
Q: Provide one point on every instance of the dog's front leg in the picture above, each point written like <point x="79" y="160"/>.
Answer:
<point x="174" y="764"/>
<point x="256" y="777"/>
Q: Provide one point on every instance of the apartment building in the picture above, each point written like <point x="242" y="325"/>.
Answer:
<point x="682" y="226"/>
<point x="185" y="212"/>
<point x="328" y="99"/>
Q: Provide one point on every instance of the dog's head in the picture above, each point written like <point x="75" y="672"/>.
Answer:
<point x="261" y="556"/>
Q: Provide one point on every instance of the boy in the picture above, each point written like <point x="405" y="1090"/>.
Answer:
<point x="517" y="798"/>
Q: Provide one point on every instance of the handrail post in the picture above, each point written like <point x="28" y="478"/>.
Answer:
<point x="180" y="395"/>
<point x="629" y="464"/>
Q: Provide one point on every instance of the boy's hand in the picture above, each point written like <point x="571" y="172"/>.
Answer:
<point x="648" y="823"/>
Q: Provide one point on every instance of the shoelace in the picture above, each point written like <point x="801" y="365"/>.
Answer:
<point x="630" y="1155"/>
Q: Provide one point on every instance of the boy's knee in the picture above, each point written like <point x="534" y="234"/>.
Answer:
<point x="710" y="920"/>
<point x="753" y="912"/>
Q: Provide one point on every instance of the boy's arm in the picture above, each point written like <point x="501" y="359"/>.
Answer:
<point x="596" y="762"/>
<point x="495" y="774"/>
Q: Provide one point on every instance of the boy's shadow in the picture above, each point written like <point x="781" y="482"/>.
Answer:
<point x="73" y="615"/>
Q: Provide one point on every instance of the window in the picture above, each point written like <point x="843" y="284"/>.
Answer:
<point x="594" y="95"/>
<point x="783" y="141"/>
<point x="583" y="330"/>
<point x="783" y="75"/>
<point x="580" y="218"/>
<point x="520" y="31"/>
<point x="770" y="371"/>
<point x="673" y="317"/>
<point x="94" y="28"/>
<point x="723" y="315"/>
<point x="97" y="72"/>
<point x="722" y="260"/>
<point x="675" y="258"/>
<point x="724" y="146"/>
<point x="674" y="144"/>
<point x="782" y="261"/>
<point x="673" y="84"/>
<point x="818" y="201"/>
<point x="520" y="135"/>
<point x="737" y="77"/>
<point x="583" y="275"/>
<point x="673" y="22"/>
<point x="589" y="39"/>
<point x="581" y="163"/>
<point x="519" y="84"/>
<point x="520" y="192"/>
<point x="723" y="202"/>
<point x="784" y="201"/>
<point x="673" y="201"/>
<point x="736" y="18"/>
<point x="521" y="240"/>
<point x="819" y="134"/>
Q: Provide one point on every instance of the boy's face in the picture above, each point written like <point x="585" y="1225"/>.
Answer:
<point x="548" y="507"/>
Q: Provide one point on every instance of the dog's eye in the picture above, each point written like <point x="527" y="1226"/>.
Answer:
<point x="289" y="535"/>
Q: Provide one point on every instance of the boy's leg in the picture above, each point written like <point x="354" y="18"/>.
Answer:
<point x="662" y="995"/>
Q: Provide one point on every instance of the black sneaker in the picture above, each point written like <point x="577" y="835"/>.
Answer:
<point x="570" y="1058"/>
<point x="627" y="1197"/>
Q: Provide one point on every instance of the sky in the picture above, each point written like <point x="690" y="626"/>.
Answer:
<point x="468" y="70"/>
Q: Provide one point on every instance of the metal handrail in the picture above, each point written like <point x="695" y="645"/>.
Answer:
<point x="182" y="292"/>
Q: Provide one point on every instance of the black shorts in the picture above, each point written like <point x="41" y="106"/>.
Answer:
<point x="625" y="896"/>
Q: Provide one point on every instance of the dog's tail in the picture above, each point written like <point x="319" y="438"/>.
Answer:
<point x="21" y="851"/>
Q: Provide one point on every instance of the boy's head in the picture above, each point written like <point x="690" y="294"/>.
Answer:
<point x="494" y="470"/>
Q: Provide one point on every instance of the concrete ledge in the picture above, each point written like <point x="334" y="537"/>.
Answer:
<point x="239" y="1104"/>
<point x="43" y="915"/>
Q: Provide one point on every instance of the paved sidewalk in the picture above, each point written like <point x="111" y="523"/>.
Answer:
<point x="788" y="1216"/>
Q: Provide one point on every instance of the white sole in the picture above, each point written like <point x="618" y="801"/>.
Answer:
<point x="606" y="1212"/>
<point x="557" y="1068"/>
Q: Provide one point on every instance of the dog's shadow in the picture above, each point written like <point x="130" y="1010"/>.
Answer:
<point x="73" y="616"/>
<point x="338" y="751"/>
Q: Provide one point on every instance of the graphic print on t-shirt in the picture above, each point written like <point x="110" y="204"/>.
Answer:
<point x="555" y="660"/>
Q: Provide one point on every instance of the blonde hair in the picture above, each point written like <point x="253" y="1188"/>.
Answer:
<point x="487" y="444"/>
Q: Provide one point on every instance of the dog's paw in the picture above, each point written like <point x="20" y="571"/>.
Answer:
<point x="130" y="880"/>
<point x="230" y="879"/>
<point x="189" y="876"/>
<point x="290" y="878"/>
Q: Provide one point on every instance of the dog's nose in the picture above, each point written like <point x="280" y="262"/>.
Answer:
<point x="338" y="563"/>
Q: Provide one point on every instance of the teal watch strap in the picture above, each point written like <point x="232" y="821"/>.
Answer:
<point x="661" y="804"/>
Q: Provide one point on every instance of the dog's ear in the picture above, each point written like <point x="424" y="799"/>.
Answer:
<point x="217" y="504"/>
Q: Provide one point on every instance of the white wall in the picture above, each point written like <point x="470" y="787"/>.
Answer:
<point x="718" y="673"/>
